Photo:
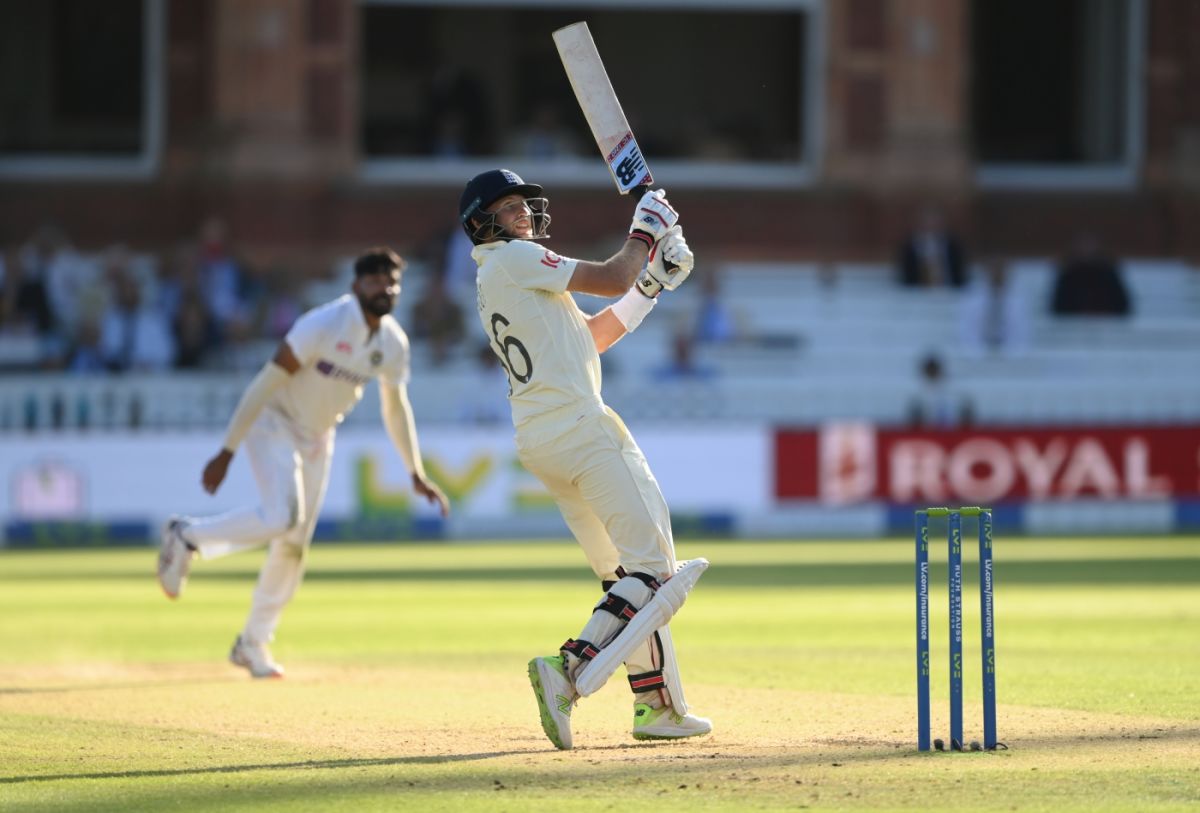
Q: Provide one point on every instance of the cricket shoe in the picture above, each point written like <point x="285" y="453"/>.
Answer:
<point x="254" y="657"/>
<point x="664" y="724"/>
<point x="174" y="558"/>
<point x="556" y="698"/>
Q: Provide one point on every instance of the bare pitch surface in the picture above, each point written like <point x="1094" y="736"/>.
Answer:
<point x="406" y="685"/>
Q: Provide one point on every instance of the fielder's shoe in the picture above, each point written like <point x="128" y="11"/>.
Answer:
<point x="664" y="724"/>
<point x="556" y="697"/>
<point x="254" y="657"/>
<point x="174" y="558"/>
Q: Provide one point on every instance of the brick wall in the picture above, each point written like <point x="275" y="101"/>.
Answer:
<point x="260" y="129"/>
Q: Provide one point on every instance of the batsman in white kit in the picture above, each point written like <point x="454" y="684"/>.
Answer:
<point x="287" y="419"/>
<point x="579" y="448"/>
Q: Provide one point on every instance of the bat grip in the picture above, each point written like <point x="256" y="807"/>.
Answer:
<point x="640" y="190"/>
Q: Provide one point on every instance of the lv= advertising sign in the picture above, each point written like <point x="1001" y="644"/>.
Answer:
<point x="851" y="463"/>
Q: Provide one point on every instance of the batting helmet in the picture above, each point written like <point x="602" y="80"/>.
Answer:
<point x="488" y="187"/>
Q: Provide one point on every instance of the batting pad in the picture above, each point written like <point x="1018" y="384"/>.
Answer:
<point x="657" y="612"/>
<point x="670" y="670"/>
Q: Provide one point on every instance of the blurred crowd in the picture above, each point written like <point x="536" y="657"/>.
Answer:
<point x="198" y="306"/>
<point x="994" y="317"/>
<point x="115" y="310"/>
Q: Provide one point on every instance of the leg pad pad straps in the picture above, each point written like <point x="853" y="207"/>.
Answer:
<point x="583" y="650"/>
<point x="653" y="614"/>
<point x="620" y="607"/>
<point x="647" y="681"/>
<point x="645" y="578"/>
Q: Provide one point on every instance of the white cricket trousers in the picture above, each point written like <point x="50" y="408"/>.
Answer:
<point x="606" y="492"/>
<point x="292" y="472"/>
<point x="609" y="499"/>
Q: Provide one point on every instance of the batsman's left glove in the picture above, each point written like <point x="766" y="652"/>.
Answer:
<point x="668" y="265"/>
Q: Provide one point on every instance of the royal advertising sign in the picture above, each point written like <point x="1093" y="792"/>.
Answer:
<point x="753" y="480"/>
<point x="849" y="463"/>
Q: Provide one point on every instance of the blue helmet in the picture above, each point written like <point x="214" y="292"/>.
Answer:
<point x="488" y="187"/>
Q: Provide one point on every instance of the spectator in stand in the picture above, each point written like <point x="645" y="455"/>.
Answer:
<point x="8" y="293"/>
<point x="5" y="298"/>
<point x="457" y="115"/>
<point x="449" y="136"/>
<point x="1089" y="283"/>
<point x="221" y="278"/>
<point x="74" y="287"/>
<point x="30" y="326"/>
<point x="86" y="356"/>
<point x="716" y="322"/>
<point x="935" y="406"/>
<point x="180" y="298"/>
<point x="29" y="291"/>
<point x="993" y="316"/>
<point x="178" y="272"/>
<point x="932" y="256"/>
<point x="437" y="319"/>
<point x="682" y="366"/>
<point x="281" y="306"/>
<point x="133" y="337"/>
<point x="19" y="346"/>
<point x="194" y="332"/>
<point x="238" y="346"/>
<point x="545" y="138"/>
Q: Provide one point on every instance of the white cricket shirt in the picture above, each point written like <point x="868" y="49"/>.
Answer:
<point x="536" y="328"/>
<point x="338" y="355"/>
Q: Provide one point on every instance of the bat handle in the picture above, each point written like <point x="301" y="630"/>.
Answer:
<point x="640" y="190"/>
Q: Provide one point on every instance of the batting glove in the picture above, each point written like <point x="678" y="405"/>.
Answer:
<point x="669" y="264"/>
<point x="653" y="218"/>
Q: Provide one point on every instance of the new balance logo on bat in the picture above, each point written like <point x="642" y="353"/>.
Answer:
<point x="629" y="167"/>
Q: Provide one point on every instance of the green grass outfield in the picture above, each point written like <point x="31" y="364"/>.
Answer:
<point x="406" y="685"/>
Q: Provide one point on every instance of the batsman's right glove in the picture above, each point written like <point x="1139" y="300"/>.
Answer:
<point x="653" y="218"/>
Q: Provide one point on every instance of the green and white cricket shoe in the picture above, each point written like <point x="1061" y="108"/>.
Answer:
<point x="664" y="724"/>
<point x="556" y="697"/>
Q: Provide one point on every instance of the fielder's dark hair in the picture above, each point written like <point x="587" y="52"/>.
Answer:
<point x="378" y="260"/>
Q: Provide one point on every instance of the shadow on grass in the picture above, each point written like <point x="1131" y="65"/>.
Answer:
<point x="137" y="685"/>
<point x="313" y="764"/>
<point x="1179" y="570"/>
<point x="669" y="774"/>
<point x="737" y="771"/>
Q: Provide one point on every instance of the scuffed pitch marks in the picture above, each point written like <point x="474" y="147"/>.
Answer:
<point x="367" y="714"/>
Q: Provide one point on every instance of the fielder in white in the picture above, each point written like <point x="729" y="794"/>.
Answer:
<point x="579" y="448"/>
<point x="287" y="417"/>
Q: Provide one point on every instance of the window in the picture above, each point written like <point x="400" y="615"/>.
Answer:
<point x="1055" y="91"/>
<point x="78" y="87"/>
<point x="715" y="97"/>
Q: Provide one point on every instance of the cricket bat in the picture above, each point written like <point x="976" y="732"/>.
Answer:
<point x="601" y="108"/>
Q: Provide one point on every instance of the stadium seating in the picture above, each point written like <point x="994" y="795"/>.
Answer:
<point x="818" y="344"/>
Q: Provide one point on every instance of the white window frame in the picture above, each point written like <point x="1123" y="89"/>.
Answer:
<point x="585" y="172"/>
<point x="144" y="165"/>
<point x="1120" y="175"/>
